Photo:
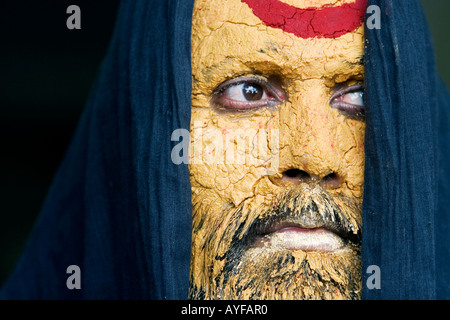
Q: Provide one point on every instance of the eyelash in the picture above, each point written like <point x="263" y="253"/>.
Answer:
<point x="356" y="111"/>
<point x="274" y="95"/>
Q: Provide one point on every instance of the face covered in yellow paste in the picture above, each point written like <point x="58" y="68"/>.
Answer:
<point x="276" y="157"/>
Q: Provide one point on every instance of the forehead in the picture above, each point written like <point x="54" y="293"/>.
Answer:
<point x="228" y="34"/>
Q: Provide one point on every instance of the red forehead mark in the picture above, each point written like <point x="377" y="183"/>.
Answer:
<point x="325" y="22"/>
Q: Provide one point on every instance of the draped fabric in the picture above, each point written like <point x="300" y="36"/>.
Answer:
<point x="405" y="206"/>
<point x="442" y="215"/>
<point x="120" y="209"/>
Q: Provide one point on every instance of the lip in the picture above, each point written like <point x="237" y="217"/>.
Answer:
<point x="306" y="219"/>
<point x="302" y="234"/>
<point x="298" y="238"/>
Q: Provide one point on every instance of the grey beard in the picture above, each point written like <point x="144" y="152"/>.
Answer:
<point x="275" y="275"/>
<point x="246" y="272"/>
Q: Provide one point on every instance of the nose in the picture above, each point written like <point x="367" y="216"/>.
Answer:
<point x="331" y="180"/>
<point x="313" y="139"/>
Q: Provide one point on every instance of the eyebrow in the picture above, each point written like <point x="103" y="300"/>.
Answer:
<point x="360" y="62"/>
<point x="245" y="60"/>
<point x="207" y="71"/>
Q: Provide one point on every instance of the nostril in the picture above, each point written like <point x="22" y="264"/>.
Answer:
<point x="295" y="175"/>
<point x="330" y="177"/>
<point x="332" y="181"/>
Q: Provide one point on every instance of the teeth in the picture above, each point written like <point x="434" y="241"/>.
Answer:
<point x="304" y="239"/>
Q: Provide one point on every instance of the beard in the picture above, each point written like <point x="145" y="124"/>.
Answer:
<point x="232" y="260"/>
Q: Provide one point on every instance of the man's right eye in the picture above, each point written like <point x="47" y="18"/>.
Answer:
<point x="245" y="93"/>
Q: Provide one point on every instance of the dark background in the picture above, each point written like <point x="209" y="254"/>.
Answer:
<point x="46" y="73"/>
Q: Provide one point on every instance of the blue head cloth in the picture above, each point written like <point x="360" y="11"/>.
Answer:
<point x="406" y="197"/>
<point x="120" y="209"/>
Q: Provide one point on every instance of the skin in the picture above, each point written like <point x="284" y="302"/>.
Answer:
<point x="304" y="157"/>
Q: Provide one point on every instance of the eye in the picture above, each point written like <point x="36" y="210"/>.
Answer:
<point x="349" y="100"/>
<point x="246" y="93"/>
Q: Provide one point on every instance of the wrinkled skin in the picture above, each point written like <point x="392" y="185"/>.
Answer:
<point x="302" y="163"/>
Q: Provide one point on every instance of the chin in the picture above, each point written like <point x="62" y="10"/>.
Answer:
<point x="273" y="274"/>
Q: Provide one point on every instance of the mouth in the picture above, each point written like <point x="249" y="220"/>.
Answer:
<point x="309" y="231"/>
<point x="305" y="219"/>
<point x="296" y="237"/>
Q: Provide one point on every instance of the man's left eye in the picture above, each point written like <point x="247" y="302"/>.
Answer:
<point x="349" y="100"/>
<point x="246" y="93"/>
<point x="354" y="98"/>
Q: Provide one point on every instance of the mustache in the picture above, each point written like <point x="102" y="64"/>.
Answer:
<point x="311" y="209"/>
<point x="304" y="207"/>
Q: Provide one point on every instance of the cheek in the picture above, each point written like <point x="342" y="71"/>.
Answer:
<point x="229" y="157"/>
<point x="352" y="154"/>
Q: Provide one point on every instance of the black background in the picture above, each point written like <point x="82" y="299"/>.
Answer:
<point x="46" y="73"/>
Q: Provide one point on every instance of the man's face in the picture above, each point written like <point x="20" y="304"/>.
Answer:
<point x="276" y="155"/>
